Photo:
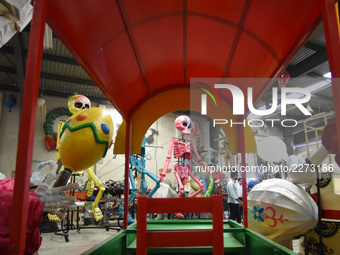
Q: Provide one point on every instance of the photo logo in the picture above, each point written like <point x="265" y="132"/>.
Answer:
<point x="238" y="100"/>
<point x="204" y="98"/>
<point x="290" y="96"/>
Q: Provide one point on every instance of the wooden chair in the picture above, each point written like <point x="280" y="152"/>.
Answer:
<point x="178" y="238"/>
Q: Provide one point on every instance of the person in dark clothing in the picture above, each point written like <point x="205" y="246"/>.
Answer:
<point x="233" y="201"/>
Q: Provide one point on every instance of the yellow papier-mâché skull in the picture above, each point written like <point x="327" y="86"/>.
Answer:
<point x="77" y="103"/>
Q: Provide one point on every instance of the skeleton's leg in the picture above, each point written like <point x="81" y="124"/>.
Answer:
<point x="90" y="187"/>
<point x="98" y="215"/>
<point x="155" y="179"/>
<point x="131" y="197"/>
<point x="204" y="183"/>
<point x="141" y="168"/>
<point x="146" y="172"/>
<point x="139" y="165"/>
<point x="181" y="187"/>
<point x="143" y="184"/>
<point x="210" y="187"/>
<point x="199" y="183"/>
<point x="180" y="192"/>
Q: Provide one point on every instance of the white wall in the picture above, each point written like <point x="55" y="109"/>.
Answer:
<point x="40" y="152"/>
<point x="9" y="130"/>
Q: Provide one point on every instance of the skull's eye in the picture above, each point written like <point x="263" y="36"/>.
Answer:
<point x="184" y="124"/>
<point x="78" y="105"/>
<point x="106" y="129"/>
<point x="189" y="126"/>
<point x="87" y="106"/>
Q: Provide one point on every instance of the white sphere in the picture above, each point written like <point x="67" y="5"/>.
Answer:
<point x="281" y="210"/>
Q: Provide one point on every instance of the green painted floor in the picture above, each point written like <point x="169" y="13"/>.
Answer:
<point x="237" y="240"/>
<point x="182" y="225"/>
<point x="230" y="243"/>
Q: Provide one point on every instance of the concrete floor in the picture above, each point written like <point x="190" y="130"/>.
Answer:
<point x="79" y="241"/>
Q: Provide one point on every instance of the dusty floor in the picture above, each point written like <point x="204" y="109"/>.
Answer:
<point x="79" y="241"/>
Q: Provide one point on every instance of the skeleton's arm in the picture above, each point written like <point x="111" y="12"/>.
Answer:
<point x="198" y="157"/>
<point x="167" y="162"/>
<point x="54" y="198"/>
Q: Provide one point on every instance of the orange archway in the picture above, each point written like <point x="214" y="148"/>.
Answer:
<point x="166" y="102"/>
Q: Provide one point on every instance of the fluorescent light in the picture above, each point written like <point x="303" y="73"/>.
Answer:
<point x="309" y="108"/>
<point x="313" y="88"/>
<point x="328" y="75"/>
<point x="48" y="38"/>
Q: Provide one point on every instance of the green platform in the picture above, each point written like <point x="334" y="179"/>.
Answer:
<point x="237" y="240"/>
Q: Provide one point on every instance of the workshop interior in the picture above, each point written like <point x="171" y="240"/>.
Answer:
<point x="174" y="127"/>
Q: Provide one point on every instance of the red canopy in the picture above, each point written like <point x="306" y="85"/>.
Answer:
<point x="135" y="49"/>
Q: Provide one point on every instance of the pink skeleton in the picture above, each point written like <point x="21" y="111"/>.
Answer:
<point x="182" y="151"/>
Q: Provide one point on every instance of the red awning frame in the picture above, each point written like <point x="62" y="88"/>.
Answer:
<point x="29" y="104"/>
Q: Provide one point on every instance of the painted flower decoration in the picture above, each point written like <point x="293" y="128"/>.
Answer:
<point x="258" y="213"/>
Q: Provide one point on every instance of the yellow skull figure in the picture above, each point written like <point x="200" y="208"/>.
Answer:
<point x="84" y="140"/>
<point x="77" y="103"/>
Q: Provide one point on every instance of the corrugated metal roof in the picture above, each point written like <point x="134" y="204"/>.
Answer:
<point x="302" y="55"/>
<point x="318" y="37"/>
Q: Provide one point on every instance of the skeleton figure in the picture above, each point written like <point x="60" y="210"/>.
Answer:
<point x="138" y="165"/>
<point x="182" y="152"/>
<point x="76" y="103"/>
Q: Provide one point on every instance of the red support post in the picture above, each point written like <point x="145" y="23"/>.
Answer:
<point x="330" y="16"/>
<point x="217" y="211"/>
<point x="242" y="150"/>
<point x="26" y="130"/>
<point x="127" y="166"/>
<point x="141" y="226"/>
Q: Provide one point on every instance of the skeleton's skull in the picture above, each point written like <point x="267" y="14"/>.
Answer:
<point x="77" y="103"/>
<point x="183" y="124"/>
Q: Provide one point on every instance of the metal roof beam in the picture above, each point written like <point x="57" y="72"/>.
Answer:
<point x="55" y="77"/>
<point x="308" y="64"/>
<point x="19" y="61"/>
<point x="48" y="57"/>
<point x="313" y="46"/>
<point x="14" y="87"/>
<point x="323" y="97"/>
